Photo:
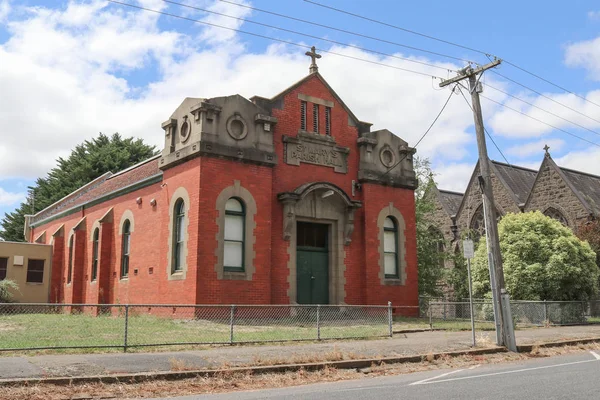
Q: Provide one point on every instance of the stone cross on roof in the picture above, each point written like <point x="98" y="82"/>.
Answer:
<point x="546" y="148"/>
<point x="313" y="55"/>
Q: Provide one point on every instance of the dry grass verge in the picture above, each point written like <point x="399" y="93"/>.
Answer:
<point x="235" y="381"/>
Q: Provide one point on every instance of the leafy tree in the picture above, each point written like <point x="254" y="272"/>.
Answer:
<point x="590" y="232"/>
<point x="87" y="161"/>
<point x="457" y="277"/>
<point x="543" y="260"/>
<point x="430" y="260"/>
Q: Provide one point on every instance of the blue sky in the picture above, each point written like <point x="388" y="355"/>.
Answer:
<point x="75" y="68"/>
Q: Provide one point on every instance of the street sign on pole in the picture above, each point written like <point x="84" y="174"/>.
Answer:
<point x="469" y="252"/>
<point x="468" y="249"/>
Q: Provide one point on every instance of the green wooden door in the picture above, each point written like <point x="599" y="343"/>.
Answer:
<point x="313" y="276"/>
<point x="312" y="264"/>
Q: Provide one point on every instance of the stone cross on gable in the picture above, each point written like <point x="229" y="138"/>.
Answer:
<point x="546" y="148"/>
<point x="313" y="56"/>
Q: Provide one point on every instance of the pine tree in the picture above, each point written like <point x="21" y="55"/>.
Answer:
<point x="87" y="161"/>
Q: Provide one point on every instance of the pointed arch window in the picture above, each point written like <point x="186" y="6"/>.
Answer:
<point x="70" y="265"/>
<point x="95" y="245"/>
<point x="125" y="248"/>
<point x="390" y="247"/>
<point x="178" y="236"/>
<point x="234" y="238"/>
<point x="557" y="215"/>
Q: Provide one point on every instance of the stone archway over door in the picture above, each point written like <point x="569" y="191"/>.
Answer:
<point x="324" y="204"/>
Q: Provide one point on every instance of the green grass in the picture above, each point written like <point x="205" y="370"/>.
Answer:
<point x="401" y="323"/>
<point x="21" y="331"/>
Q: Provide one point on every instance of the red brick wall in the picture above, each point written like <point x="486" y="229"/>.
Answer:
<point x="217" y="174"/>
<point x="376" y="198"/>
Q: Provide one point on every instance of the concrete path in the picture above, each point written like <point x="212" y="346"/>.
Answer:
<point x="219" y="357"/>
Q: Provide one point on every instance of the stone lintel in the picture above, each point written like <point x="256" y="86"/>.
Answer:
<point x="212" y="149"/>
<point x="316" y="100"/>
<point x="387" y="179"/>
<point x="261" y="118"/>
<point x="169" y="123"/>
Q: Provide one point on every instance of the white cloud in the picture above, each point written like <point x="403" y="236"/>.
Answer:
<point x="66" y="72"/>
<point x="585" y="54"/>
<point x="454" y="176"/>
<point x="5" y="9"/>
<point x="583" y="160"/>
<point x="535" y="148"/>
<point x="593" y="15"/>
<point x="10" y="198"/>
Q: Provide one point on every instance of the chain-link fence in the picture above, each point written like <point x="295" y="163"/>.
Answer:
<point x="525" y="313"/>
<point x="61" y="326"/>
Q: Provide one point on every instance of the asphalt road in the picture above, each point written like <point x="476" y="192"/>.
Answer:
<point x="574" y="376"/>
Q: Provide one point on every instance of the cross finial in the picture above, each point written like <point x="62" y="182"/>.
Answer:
<point x="313" y="56"/>
<point x="546" y="148"/>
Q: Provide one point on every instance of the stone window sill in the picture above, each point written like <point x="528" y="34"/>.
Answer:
<point x="177" y="276"/>
<point x="392" y="282"/>
<point x="235" y="275"/>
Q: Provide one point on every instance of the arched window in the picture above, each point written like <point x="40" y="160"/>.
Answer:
<point x="477" y="225"/>
<point x="70" y="266"/>
<point x="178" y="236"/>
<point x="95" y="241"/>
<point x="437" y="242"/>
<point x="235" y="221"/>
<point x="125" y="247"/>
<point x="390" y="248"/>
<point x="557" y="215"/>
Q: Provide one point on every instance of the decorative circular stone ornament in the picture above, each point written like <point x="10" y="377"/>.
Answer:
<point x="236" y="127"/>
<point x="387" y="157"/>
<point x="184" y="131"/>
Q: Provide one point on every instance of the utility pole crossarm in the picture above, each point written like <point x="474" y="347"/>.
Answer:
<point x="468" y="71"/>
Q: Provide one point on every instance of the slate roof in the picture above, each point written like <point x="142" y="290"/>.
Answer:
<point x="519" y="180"/>
<point x="587" y="185"/>
<point x="106" y="184"/>
<point x="451" y="200"/>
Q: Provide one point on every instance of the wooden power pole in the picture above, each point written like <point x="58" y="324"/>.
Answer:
<point x="502" y="314"/>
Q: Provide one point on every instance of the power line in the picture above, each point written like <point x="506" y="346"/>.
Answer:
<point x="486" y="131"/>
<point x="452" y="44"/>
<point x="551" y="83"/>
<point x="423" y="136"/>
<point x="544" y="96"/>
<point x="271" y="38"/>
<point x="545" y="123"/>
<point x="397" y="27"/>
<point x="544" y="110"/>
<point x="309" y="35"/>
<point x="346" y="31"/>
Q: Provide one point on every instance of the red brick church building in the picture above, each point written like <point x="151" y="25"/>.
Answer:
<point x="282" y="200"/>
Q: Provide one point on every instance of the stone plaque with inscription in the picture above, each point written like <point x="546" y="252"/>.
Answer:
<point x="315" y="149"/>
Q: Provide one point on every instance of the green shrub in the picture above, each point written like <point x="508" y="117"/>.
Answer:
<point x="7" y="287"/>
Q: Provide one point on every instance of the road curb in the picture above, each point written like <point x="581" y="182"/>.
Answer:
<point x="177" y="375"/>
<point x="344" y="364"/>
<point x="527" y="348"/>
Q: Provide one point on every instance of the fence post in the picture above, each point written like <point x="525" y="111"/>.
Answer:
<point x="546" y="313"/>
<point x="231" y="322"/>
<point x="126" y="326"/>
<point x="318" y="322"/>
<point x="430" y="317"/>
<point x="390" y="318"/>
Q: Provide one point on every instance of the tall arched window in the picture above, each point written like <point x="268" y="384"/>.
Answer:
<point x="235" y="221"/>
<point x="95" y="242"/>
<point x="70" y="266"/>
<point x="178" y="236"/>
<point x="125" y="247"/>
<point x="390" y="248"/>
